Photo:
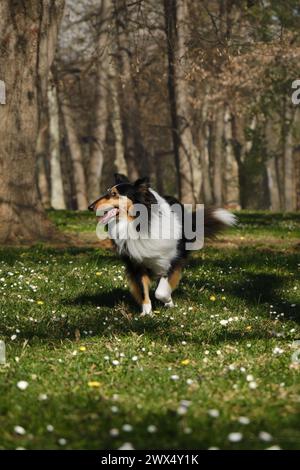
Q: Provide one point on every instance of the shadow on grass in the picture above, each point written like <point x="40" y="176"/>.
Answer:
<point x="110" y="298"/>
<point x="255" y="286"/>
<point x="116" y="318"/>
<point x="269" y="219"/>
<point x="252" y="289"/>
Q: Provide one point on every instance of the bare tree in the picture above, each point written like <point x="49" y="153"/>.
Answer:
<point x="57" y="190"/>
<point x="188" y="155"/>
<point x="231" y="172"/>
<point x="204" y="144"/>
<point x="289" y="189"/>
<point x="136" y="154"/>
<point x="101" y="115"/>
<point x="28" y="33"/>
<point x="218" y="130"/>
<point x="120" y="162"/>
<point x="41" y="165"/>
<point x="271" y="136"/>
<point x="76" y="153"/>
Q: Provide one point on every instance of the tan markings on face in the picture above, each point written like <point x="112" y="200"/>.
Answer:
<point x="111" y="199"/>
<point x="116" y="200"/>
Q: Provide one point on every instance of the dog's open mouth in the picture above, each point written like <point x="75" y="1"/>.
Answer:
<point x="107" y="214"/>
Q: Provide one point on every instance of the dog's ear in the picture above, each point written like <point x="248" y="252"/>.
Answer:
<point x="142" y="183"/>
<point x="119" y="178"/>
<point x="143" y="195"/>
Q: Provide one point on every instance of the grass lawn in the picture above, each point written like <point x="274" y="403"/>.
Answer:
<point x="219" y="370"/>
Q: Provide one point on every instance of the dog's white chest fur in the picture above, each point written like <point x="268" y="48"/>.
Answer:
<point x="159" y="248"/>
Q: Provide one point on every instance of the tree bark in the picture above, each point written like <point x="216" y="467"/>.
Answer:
<point x="120" y="162"/>
<point x="231" y="173"/>
<point x="273" y="184"/>
<point x="101" y="116"/>
<point x="296" y="156"/>
<point x="242" y="149"/>
<point x="57" y="189"/>
<point x="170" y="30"/>
<point x="136" y="154"/>
<point x="297" y="176"/>
<point x="189" y="158"/>
<point x="41" y="166"/>
<point x="289" y="187"/>
<point x="76" y="154"/>
<point x="271" y="165"/>
<point x="28" y="33"/>
<point x="218" y="156"/>
<point x="204" y="151"/>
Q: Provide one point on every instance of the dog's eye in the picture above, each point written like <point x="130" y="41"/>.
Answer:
<point x="113" y="194"/>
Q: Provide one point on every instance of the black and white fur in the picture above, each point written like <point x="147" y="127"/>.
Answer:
<point x="155" y="256"/>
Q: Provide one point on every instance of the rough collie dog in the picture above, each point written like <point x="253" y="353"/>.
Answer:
<point x="155" y="246"/>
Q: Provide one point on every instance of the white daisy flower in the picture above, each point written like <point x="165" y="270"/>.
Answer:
<point x="126" y="446"/>
<point x="151" y="429"/>
<point x="22" y="385"/>
<point x="19" y="430"/>
<point x="127" y="427"/>
<point x="243" y="420"/>
<point x="265" y="436"/>
<point x="213" y="413"/>
<point x="235" y="436"/>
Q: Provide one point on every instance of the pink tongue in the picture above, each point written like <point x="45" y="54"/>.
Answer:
<point x="112" y="213"/>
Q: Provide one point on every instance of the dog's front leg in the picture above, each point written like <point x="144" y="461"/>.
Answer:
<point x="164" y="291"/>
<point x="146" y="305"/>
<point x="166" y="286"/>
<point x="139" y="287"/>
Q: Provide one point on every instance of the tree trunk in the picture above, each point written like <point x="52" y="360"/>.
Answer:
<point x="296" y="157"/>
<point x="273" y="184"/>
<point x="289" y="187"/>
<point x="189" y="158"/>
<point x="241" y="148"/>
<point x="271" y="165"/>
<point x="170" y="28"/>
<point x="204" y="151"/>
<point x="101" y="116"/>
<point x="297" y="176"/>
<point x="120" y="162"/>
<point x="218" y="156"/>
<point x="76" y="155"/>
<point x="231" y="173"/>
<point x="57" y="190"/>
<point x="41" y="166"/>
<point x="136" y="155"/>
<point x="27" y="29"/>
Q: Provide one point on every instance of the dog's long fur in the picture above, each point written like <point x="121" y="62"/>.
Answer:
<point x="158" y="255"/>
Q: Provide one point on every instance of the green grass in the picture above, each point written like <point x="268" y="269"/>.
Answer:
<point x="67" y="315"/>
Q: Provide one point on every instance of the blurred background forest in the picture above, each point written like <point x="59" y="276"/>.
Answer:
<point x="195" y="94"/>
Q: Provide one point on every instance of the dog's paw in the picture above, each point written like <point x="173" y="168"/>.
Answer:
<point x="147" y="310"/>
<point x="170" y="304"/>
<point x="163" y="291"/>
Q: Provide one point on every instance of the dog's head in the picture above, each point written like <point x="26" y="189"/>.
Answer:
<point x="119" y="200"/>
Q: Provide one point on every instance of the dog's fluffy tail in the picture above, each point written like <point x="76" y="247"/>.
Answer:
<point x="216" y="220"/>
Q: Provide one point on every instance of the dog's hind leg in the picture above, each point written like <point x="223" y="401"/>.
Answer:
<point x="167" y="285"/>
